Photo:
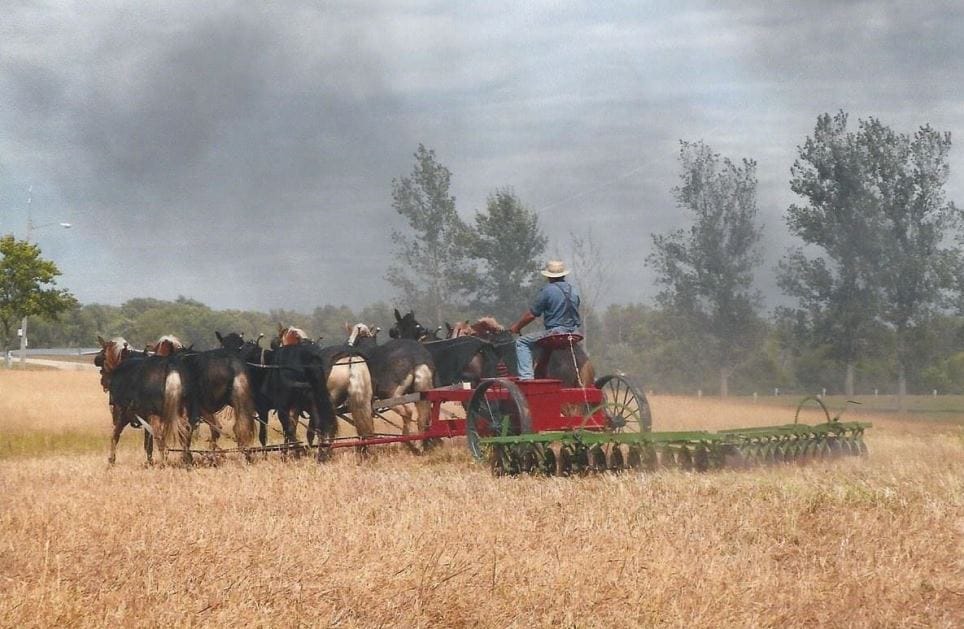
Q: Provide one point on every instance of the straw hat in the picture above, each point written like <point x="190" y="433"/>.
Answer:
<point x="555" y="268"/>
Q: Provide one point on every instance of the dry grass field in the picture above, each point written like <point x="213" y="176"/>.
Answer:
<point x="436" y="541"/>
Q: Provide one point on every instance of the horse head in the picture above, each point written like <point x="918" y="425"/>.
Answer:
<point x="461" y="328"/>
<point x="408" y="327"/>
<point x="111" y="354"/>
<point x="248" y="351"/>
<point x="232" y="341"/>
<point x="360" y="331"/>
<point x="488" y="328"/>
<point x="291" y="335"/>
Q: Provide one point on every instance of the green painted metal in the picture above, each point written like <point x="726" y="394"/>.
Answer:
<point x="576" y="452"/>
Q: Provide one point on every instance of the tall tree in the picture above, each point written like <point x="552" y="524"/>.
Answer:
<point x="591" y="270"/>
<point x="836" y="291"/>
<point x="877" y="209"/>
<point x="707" y="271"/>
<point x="27" y="286"/>
<point x="509" y="242"/>
<point x="433" y="273"/>
<point x="906" y="178"/>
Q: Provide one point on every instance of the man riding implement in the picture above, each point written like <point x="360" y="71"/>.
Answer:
<point x="558" y="305"/>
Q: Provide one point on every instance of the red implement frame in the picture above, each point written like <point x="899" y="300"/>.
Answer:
<point x="547" y="400"/>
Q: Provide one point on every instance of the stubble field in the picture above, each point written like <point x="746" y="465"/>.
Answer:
<point x="437" y="541"/>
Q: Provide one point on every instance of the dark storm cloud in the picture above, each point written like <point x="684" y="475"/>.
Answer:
<point x="243" y="155"/>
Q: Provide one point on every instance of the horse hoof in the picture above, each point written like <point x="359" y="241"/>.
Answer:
<point x="323" y="455"/>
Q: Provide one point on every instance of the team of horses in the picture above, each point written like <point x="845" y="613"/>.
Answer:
<point x="170" y="389"/>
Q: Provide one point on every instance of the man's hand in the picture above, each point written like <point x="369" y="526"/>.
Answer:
<point x="526" y="319"/>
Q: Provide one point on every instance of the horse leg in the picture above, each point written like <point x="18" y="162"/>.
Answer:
<point x="288" y="425"/>
<point x="263" y="433"/>
<point x="587" y="373"/>
<point x="323" y="452"/>
<point x="423" y="381"/>
<point x="312" y="427"/>
<point x="149" y="446"/>
<point x="290" y="435"/>
<point x="157" y="425"/>
<point x="263" y="425"/>
<point x="405" y="412"/>
<point x="214" y="428"/>
<point x="119" y="421"/>
<point x="184" y="430"/>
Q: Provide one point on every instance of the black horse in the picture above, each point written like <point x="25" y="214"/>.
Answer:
<point x="148" y="389"/>
<point x="456" y="357"/>
<point x="217" y="378"/>
<point x="398" y="367"/>
<point x="337" y="375"/>
<point x="258" y="361"/>
<point x="461" y="359"/>
<point x="408" y="328"/>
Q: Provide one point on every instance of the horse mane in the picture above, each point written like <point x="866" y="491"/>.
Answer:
<point x="166" y="345"/>
<point x="487" y="325"/>
<point x="461" y="328"/>
<point x="114" y="351"/>
<point x="291" y="335"/>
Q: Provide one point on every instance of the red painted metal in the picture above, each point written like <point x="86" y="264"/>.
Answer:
<point x="551" y="407"/>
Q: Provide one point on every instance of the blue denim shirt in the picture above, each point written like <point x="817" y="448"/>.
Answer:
<point x="556" y="311"/>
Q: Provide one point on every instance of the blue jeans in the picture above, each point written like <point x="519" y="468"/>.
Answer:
<point x="523" y="349"/>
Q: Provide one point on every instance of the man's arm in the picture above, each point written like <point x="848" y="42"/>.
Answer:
<point x="525" y="320"/>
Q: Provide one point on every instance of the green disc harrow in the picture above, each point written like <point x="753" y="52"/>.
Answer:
<point x="516" y="449"/>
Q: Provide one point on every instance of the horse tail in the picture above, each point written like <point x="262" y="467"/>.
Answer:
<point x="423" y="381"/>
<point x="360" y="395"/>
<point x="242" y="400"/>
<point x="175" y="422"/>
<point x="587" y="373"/>
<point x="323" y="410"/>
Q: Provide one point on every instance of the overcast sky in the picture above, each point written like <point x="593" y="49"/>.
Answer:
<point x="243" y="156"/>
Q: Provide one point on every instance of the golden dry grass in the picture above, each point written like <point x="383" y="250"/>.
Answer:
<point x="405" y="541"/>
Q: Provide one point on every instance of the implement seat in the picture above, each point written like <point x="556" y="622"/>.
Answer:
<point x="551" y="343"/>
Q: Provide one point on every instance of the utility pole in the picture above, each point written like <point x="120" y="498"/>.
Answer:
<point x="30" y="229"/>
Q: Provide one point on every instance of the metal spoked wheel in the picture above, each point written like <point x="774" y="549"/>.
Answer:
<point x="497" y="408"/>
<point x="625" y="406"/>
